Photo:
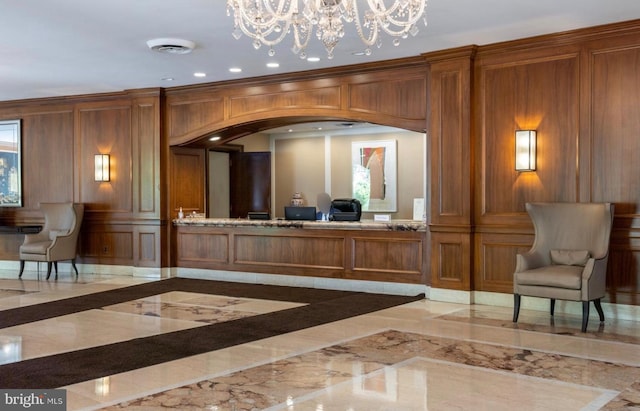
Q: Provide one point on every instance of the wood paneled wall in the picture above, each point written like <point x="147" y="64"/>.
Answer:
<point x="60" y="136"/>
<point x="581" y="92"/>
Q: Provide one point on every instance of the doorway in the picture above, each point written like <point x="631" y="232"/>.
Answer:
<point x="239" y="182"/>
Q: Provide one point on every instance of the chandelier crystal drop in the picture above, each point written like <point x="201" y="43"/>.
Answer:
<point x="268" y="22"/>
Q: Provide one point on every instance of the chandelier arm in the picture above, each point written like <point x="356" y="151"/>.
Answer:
<point x="385" y="14"/>
<point x="260" y="29"/>
<point x="371" y="39"/>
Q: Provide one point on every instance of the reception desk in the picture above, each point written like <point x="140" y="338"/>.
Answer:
<point x="392" y="251"/>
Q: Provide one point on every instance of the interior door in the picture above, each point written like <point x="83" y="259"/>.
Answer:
<point x="250" y="183"/>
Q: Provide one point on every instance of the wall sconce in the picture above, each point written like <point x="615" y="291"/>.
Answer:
<point x="102" y="167"/>
<point x="525" y="150"/>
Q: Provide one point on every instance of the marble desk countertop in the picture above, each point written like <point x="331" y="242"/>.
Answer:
<point x="393" y="225"/>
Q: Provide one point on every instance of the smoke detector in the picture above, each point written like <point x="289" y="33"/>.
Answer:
<point x="171" y="46"/>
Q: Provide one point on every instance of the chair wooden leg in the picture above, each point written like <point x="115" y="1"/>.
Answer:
<point x="21" y="268"/>
<point x="585" y="315"/>
<point x="553" y="306"/>
<point x="516" y="307"/>
<point x="55" y="266"/>
<point x="73" y="263"/>
<point x="49" y="264"/>
<point x="596" y="302"/>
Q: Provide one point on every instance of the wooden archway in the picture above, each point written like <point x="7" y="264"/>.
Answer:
<point x="392" y="94"/>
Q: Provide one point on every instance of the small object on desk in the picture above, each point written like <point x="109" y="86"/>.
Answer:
<point x="258" y="215"/>
<point x="382" y="217"/>
<point x="418" y="209"/>
<point x="297" y="200"/>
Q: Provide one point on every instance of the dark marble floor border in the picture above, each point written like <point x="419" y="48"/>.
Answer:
<point x="323" y="306"/>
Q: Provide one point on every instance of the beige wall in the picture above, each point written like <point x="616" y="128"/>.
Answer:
<point x="254" y="143"/>
<point x="315" y="164"/>
<point x="298" y="165"/>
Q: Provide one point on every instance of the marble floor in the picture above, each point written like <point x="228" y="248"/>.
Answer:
<point x="423" y="355"/>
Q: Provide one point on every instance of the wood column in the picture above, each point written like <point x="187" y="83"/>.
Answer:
<point x="450" y="156"/>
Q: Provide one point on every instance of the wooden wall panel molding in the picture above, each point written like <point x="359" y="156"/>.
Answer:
<point x="614" y="151"/>
<point x="104" y="128"/>
<point x="47" y="158"/>
<point x="147" y="246"/>
<point x="303" y="250"/>
<point x="107" y="244"/>
<point x="199" y="112"/>
<point x="450" y="141"/>
<point x="146" y="158"/>
<point x="392" y="96"/>
<point x="495" y="260"/>
<point x="539" y="94"/>
<point x="402" y="98"/>
<point x="399" y="257"/>
<point x="201" y="247"/>
<point x="319" y="98"/>
<point x="451" y="261"/>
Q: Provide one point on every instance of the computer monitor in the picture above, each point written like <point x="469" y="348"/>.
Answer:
<point x="300" y="213"/>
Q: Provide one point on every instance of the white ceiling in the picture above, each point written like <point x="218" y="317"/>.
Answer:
<point x="67" y="47"/>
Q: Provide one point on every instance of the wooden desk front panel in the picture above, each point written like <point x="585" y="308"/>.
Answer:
<point x="374" y="255"/>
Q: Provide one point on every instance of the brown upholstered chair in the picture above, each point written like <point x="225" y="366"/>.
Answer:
<point x="58" y="239"/>
<point x="568" y="260"/>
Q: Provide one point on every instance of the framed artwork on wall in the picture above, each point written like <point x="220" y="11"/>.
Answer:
<point x="374" y="174"/>
<point x="10" y="164"/>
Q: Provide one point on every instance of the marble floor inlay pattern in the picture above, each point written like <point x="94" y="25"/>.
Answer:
<point x="205" y="308"/>
<point x="370" y="366"/>
<point x="424" y="355"/>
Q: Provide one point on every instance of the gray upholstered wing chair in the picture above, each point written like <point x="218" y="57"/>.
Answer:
<point x="58" y="239"/>
<point x="568" y="259"/>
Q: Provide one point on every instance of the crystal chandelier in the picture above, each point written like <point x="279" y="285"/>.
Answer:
<point x="268" y="22"/>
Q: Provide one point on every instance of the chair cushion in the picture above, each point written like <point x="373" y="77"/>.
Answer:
<point x="35" y="248"/>
<point x="570" y="257"/>
<point x="559" y="276"/>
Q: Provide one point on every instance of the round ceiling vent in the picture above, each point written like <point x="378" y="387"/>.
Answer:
<point x="171" y="46"/>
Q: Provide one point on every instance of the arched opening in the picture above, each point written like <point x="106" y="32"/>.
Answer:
<point x="312" y="156"/>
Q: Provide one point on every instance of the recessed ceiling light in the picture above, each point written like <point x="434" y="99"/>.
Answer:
<point x="199" y="74"/>
<point x="168" y="79"/>
<point x="235" y="70"/>
<point x="214" y="138"/>
<point x="313" y="59"/>
<point x="273" y="65"/>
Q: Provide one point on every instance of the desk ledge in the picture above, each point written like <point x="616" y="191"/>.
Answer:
<point x="393" y="225"/>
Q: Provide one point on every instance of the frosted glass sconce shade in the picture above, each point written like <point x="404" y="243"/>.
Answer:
<point x="525" y="150"/>
<point x="102" y="167"/>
